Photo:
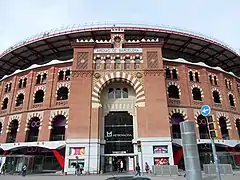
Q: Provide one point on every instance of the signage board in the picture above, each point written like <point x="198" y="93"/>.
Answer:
<point x="205" y="110"/>
<point x="117" y="50"/>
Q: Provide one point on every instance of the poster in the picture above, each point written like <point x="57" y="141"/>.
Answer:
<point x="160" y="149"/>
<point x="161" y="161"/>
<point x="79" y="151"/>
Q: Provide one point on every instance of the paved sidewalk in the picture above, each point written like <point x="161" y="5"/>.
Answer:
<point x="103" y="177"/>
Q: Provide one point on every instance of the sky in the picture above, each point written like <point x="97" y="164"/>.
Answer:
<point x="21" y="19"/>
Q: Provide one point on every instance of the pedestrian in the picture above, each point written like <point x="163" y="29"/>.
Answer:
<point x="4" y="168"/>
<point x="138" y="170"/>
<point x="146" y="167"/>
<point x="24" y="170"/>
<point x="121" y="165"/>
<point x="81" y="169"/>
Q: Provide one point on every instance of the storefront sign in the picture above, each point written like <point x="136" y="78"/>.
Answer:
<point x="118" y="50"/>
<point x="110" y="134"/>
<point x="160" y="149"/>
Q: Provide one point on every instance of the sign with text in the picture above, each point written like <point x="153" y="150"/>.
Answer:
<point x="117" y="50"/>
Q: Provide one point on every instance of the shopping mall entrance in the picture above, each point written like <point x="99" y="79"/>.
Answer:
<point x="118" y="134"/>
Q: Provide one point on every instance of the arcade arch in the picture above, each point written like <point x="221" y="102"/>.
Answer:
<point x="12" y="131"/>
<point x="33" y="129"/>
<point x="58" y="126"/>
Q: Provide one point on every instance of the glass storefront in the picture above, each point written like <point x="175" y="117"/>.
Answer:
<point x="118" y="133"/>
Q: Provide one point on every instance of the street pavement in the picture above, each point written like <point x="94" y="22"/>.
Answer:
<point x="103" y="177"/>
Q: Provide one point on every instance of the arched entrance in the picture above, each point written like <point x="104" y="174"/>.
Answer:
<point x="176" y="118"/>
<point x="118" y="101"/>
<point x="33" y="130"/>
<point x="202" y="127"/>
<point x="223" y="127"/>
<point x="58" y="128"/>
<point x="12" y="133"/>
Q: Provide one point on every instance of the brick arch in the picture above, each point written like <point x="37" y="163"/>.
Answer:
<point x="197" y="113"/>
<point x="179" y="111"/>
<point x="33" y="115"/>
<point x="234" y="99"/>
<point x="216" y="89"/>
<point x="40" y="88"/>
<point x="14" y="117"/>
<point x="21" y="91"/>
<point x="228" y="122"/>
<point x="118" y="76"/>
<point x="63" y="84"/>
<point x="197" y="86"/>
<point x="63" y="112"/>
<point x="174" y="84"/>
<point x="235" y="120"/>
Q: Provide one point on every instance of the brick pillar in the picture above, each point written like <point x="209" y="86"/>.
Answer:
<point x="81" y="115"/>
<point x="22" y="133"/>
<point x="153" y="120"/>
<point x="49" y="88"/>
<point x="3" y="137"/>
<point x="44" y="132"/>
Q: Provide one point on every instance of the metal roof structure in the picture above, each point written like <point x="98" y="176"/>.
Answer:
<point x="177" y="43"/>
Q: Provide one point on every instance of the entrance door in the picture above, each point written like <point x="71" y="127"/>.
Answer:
<point x="113" y="164"/>
<point x="118" y="133"/>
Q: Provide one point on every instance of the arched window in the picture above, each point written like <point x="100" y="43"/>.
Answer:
<point x="117" y="63"/>
<point x="12" y="134"/>
<point x="20" y="83"/>
<point x="238" y="126"/>
<point x="33" y="130"/>
<point x="190" y="75"/>
<point x="44" y="78"/>
<point x="223" y="128"/>
<point x="118" y="93"/>
<point x="25" y="82"/>
<point x="6" y="88"/>
<point x="5" y="104"/>
<point x="196" y="92"/>
<point x="125" y="93"/>
<point x="173" y="92"/>
<point x="210" y="79"/>
<point x="196" y="77"/>
<point x="174" y="74"/>
<point x="38" y="81"/>
<point x="62" y="93"/>
<point x="215" y="80"/>
<point x="137" y="64"/>
<point x="110" y="93"/>
<point x="231" y="100"/>
<point x="67" y="75"/>
<point x="1" y="128"/>
<point x="168" y="73"/>
<point x="216" y="97"/>
<point x="20" y="99"/>
<point x="57" y="132"/>
<point x="61" y="75"/>
<point x="39" y="96"/>
<point x="9" y="87"/>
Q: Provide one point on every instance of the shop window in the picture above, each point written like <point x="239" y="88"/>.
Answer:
<point x="197" y="95"/>
<point x="216" y="97"/>
<point x="20" y="99"/>
<point x="39" y="96"/>
<point x="231" y="100"/>
<point x="5" y="104"/>
<point x="62" y="93"/>
<point x="173" y="92"/>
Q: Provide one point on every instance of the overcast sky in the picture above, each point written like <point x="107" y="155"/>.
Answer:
<point x="23" y="18"/>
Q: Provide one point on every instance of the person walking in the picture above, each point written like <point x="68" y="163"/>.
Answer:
<point x="138" y="170"/>
<point x="146" y="167"/>
<point x="24" y="170"/>
<point x="121" y="165"/>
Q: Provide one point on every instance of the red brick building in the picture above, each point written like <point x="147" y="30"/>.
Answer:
<point x="96" y="92"/>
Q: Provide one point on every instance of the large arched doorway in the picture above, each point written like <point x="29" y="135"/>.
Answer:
<point x="33" y="130"/>
<point x="202" y="127"/>
<point x="176" y="119"/>
<point x="12" y="134"/>
<point x="118" y="101"/>
<point x="58" y="128"/>
<point x="223" y="127"/>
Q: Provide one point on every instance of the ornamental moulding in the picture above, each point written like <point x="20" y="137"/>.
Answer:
<point x="153" y="72"/>
<point x="86" y="73"/>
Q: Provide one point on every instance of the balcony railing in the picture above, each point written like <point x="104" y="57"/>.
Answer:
<point x="11" y="139"/>
<point x="204" y="135"/>
<point x="172" y="101"/>
<point x="58" y="137"/>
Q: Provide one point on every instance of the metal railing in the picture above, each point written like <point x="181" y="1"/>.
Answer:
<point x="77" y="28"/>
<point x="58" y="137"/>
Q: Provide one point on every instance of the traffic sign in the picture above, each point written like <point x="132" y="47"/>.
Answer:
<point x="205" y="110"/>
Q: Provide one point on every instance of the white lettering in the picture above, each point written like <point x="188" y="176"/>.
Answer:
<point x="118" y="50"/>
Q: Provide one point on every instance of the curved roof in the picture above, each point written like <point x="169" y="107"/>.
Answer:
<point x="177" y="43"/>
